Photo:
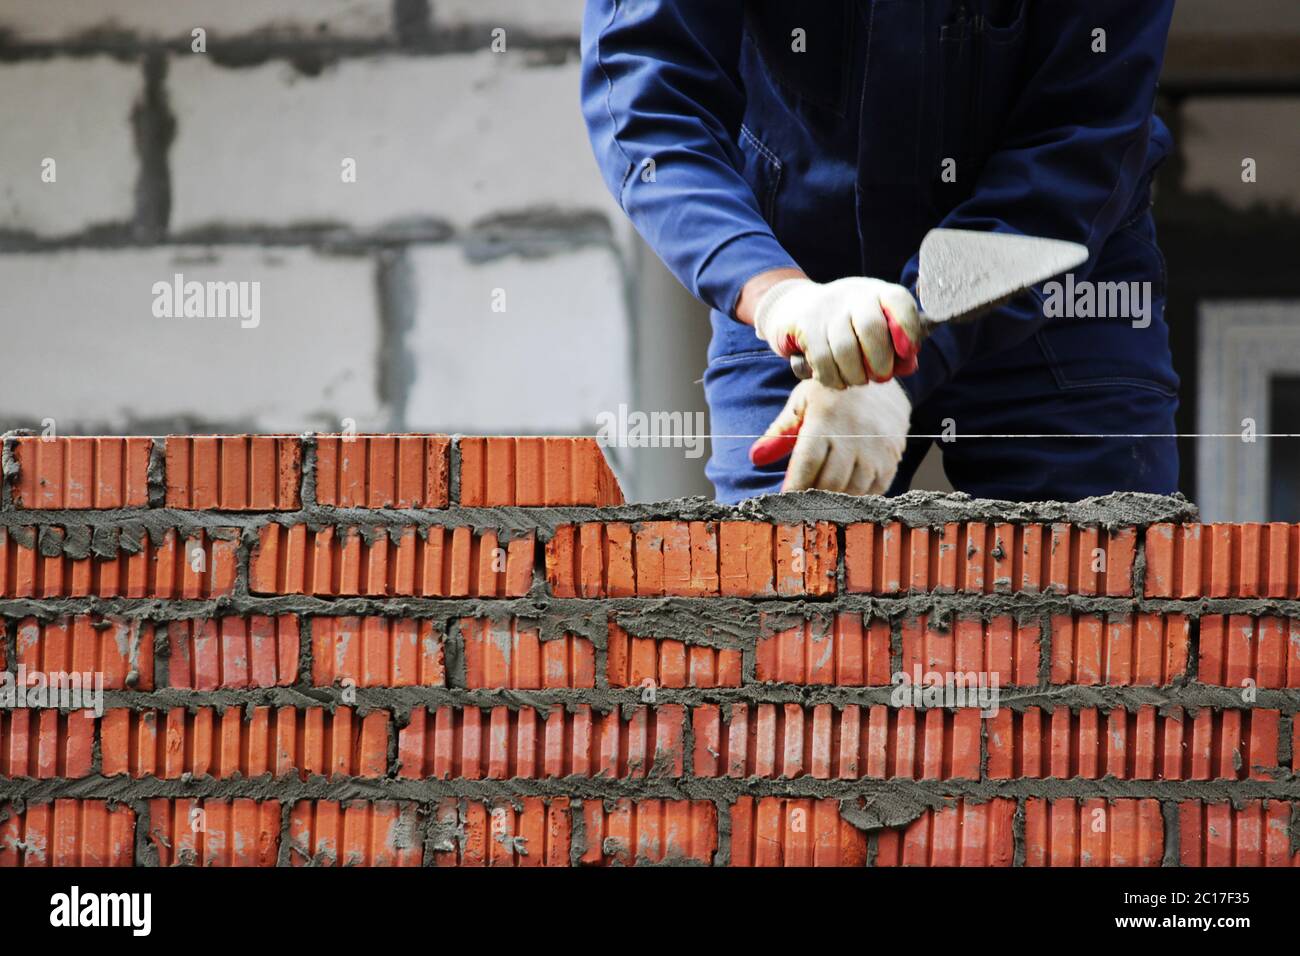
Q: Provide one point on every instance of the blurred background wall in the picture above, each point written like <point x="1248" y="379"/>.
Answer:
<point x="410" y="183"/>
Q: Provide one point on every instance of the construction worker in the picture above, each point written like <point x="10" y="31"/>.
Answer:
<point x="785" y="160"/>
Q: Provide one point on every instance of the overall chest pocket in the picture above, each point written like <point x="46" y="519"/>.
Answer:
<point x="981" y="75"/>
<point x="806" y="48"/>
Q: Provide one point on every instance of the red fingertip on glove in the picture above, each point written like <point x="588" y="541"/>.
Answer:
<point x="772" y="448"/>
<point x="904" y="348"/>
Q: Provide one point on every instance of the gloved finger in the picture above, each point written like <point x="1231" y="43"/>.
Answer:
<point x="906" y="329"/>
<point x="810" y="453"/>
<point x="837" y="469"/>
<point x="849" y="358"/>
<point x="778" y="440"/>
<point x="817" y="350"/>
<point x="883" y="478"/>
<point x="872" y="332"/>
<point x="862" y="480"/>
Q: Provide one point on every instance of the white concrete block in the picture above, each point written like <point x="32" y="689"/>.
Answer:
<point x="76" y="113"/>
<point x="552" y="18"/>
<point x="551" y="362"/>
<point x="84" y="346"/>
<point x="457" y="138"/>
<point x="51" y="21"/>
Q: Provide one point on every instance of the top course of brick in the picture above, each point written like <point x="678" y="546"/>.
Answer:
<point x="289" y="472"/>
<point x="913" y="544"/>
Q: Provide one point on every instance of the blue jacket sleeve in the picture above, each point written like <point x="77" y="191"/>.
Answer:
<point x="1069" y="162"/>
<point x="663" y="102"/>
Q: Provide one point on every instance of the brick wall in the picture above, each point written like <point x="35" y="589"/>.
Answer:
<point x="407" y="650"/>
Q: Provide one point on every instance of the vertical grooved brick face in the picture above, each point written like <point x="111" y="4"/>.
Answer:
<point x="234" y="473"/>
<point x="503" y="743"/>
<point x="354" y="833"/>
<point x="67" y="833"/>
<point x="80" y="473"/>
<point x="965" y="834"/>
<point x="302" y="619"/>
<point x="634" y="661"/>
<point x="80" y="561"/>
<point x="1093" y="832"/>
<point x="213" y="832"/>
<point x="433" y="562"/>
<point x="535" y="472"/>
<point x="692" y="559"/>
<point x="382" y="471"/>
<point x="981" y="558"/>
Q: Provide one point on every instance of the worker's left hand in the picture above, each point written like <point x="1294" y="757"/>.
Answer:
<point x="849" y="440"/>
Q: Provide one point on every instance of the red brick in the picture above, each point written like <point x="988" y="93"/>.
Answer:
<point x="376" y="652"/>
<point x="965" y="834"/>
<point x="355" y="833"/>
<point x="1238" y="648"/>
<point x="1111" y="649"/>
<point x="692" y="559"/>
<point x="138" y="570"/>
<point x="382" y="471"/>
<point x="650" y="831"/>
<point x="1095" y="832"/>
<point x="1222" y="560"/>
<point x="67" y="833"/>
<point x="1001" y="648"/>
<point x="46" y="743"/>
<point x="778" y="831"/>
<point x="234" y="472"/>
<point x="503" y="654"/>
<point x="502" y="744"/>
<point x="528" y="832"/>
<point x="845" y="653"/>
<point x="233" y="652"/>
<point x="1256" y="833"/>
<point x="1134" y="745"/>
<point x="789" y="741"/>
<point x="986" y="559"/>
<point x="534" y="472"/>
<point x="80" y="473"/>
<point x="631" y="661"/>
<point x="346" y="561"/>
<point x="116" y="648"/>
<point x="279" y="741"/>
<point x="214" y="832"/>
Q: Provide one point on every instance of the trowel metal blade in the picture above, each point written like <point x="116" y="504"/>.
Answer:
<point x="964" y="274"/>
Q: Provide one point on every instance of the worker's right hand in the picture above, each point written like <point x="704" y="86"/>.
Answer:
<point x="851" y="331"/>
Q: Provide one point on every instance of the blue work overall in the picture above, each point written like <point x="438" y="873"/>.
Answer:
<point x="742" y="136"/>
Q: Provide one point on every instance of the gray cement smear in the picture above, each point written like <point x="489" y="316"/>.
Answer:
<point x="717" y="622"/>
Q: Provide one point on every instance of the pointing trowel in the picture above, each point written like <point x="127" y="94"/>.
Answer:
<point x="962" y="276"/>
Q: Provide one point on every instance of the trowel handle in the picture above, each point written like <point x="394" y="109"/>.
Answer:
<point x="903" y="346"/>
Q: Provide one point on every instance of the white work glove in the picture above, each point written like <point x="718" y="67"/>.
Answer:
<point x="848" y="440"/>
<point x="851" y="331"/>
